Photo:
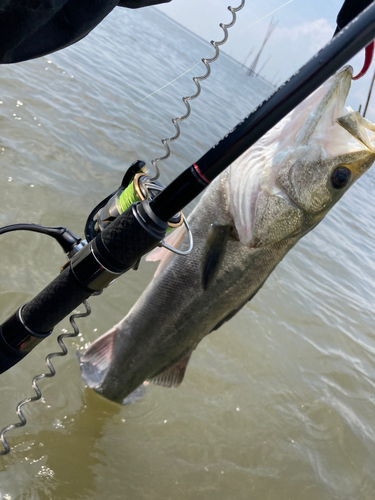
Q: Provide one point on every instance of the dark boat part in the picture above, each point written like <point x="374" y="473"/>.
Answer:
<point x="350" y="10"/>
<point x="30" y="29"/>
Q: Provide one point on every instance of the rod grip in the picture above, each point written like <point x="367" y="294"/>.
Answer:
<point x="114" y="251"/>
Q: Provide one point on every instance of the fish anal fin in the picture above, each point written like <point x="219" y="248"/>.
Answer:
<point x="135" y="396"/>
<point x="213" y="253"/>
<point x="173" y="375"/>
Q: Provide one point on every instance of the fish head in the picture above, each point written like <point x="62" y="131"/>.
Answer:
<point x="302" y="167"/>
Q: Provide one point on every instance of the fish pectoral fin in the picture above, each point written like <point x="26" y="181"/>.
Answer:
<point x="213" y="253"/>
<point x="173" y="375"/>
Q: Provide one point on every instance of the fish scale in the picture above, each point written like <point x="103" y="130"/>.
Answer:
<point x="186" y="313"/>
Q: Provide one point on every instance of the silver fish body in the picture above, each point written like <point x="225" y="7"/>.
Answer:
<point x="243" y="226"/>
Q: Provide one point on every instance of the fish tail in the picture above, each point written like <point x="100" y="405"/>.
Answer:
<point x="94" y="362"/>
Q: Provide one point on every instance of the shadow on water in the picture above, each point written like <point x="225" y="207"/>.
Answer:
<point x="62" y="460"/>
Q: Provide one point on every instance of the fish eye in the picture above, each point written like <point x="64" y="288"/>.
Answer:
<point x="340" y="177"/>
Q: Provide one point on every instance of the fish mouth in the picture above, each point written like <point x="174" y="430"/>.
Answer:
<point x="340" y="89"/>
<point x="330" y="107"/>
<point x="344" y="78"/>
<point x="256" y="171"/>
<point x="342" y="81"/>
<point x="361" y="130"/>
<point x="338" y="128"/>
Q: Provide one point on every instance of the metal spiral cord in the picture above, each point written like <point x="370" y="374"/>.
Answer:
<point x="196" y="79"/>
<point x="52" y="373"/>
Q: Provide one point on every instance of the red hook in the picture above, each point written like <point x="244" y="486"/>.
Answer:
<point x="369" y="52"/>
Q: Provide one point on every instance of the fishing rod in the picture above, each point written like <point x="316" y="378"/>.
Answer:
<point x="143" y="225"/>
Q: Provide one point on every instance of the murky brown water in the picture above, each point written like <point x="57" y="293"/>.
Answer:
<point x="279" y="403"/>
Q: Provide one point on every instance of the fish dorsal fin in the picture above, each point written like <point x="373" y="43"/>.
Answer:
<point x="174" y="375"/>
<point x="213" y="253"/>
<point x="356" y="125"/>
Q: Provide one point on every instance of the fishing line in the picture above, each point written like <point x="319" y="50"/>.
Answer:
<point x="262" y="18"/>
<point x="196" y="80"/>
<point x="195" y="65"/>
<point x="166" y="85"/>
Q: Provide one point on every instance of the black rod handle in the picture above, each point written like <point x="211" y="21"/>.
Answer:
<point x="110" y="254"/>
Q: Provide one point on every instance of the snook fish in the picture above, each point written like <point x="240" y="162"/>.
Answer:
<point x="244" y="224"/>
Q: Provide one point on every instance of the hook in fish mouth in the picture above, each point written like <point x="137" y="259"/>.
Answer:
<point x="369" y="53"/>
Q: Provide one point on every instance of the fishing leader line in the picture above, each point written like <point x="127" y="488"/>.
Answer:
<point x="263" y="18"/>
<point x="196" y="79"/>
<point x="197" y="64"/>
<point x="148" y="182"/>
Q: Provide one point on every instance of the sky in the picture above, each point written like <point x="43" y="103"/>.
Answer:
<point x="303" y="27"/>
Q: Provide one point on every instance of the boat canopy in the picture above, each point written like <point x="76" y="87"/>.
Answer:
<point x="34" y="28"/>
